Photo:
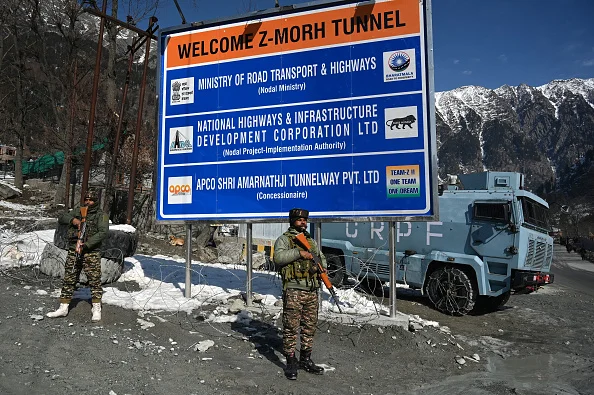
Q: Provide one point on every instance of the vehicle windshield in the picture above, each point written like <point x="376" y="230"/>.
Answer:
<point x="535" y="214"/>
<point x="492" y="211"/>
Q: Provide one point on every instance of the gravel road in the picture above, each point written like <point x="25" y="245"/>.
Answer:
<point x="541" y="343"/>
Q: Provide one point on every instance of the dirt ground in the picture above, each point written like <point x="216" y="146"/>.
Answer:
<point x="541" y="343"/>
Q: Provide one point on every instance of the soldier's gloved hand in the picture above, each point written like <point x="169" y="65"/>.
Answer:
<point x="306" y="254"/>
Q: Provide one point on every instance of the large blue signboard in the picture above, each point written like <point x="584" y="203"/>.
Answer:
<point x="325" y="107"/>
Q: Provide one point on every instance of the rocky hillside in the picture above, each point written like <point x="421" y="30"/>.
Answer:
<point x="546" y="132"/>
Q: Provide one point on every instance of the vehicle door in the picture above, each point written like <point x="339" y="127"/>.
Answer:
<point x="493" y="232"/>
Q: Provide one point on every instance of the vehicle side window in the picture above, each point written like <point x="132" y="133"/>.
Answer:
<point x="491" y="212"/>
<point x="535" y="213"/>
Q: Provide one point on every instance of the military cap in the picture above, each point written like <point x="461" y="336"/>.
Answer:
<point x="92" y="194"/>
<point x="297" y="213"/>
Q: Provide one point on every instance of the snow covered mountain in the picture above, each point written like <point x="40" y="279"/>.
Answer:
<point x="541" y="131"/>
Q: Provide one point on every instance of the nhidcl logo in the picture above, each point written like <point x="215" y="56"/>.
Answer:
<point x="180" y="140"/>
<point x="179" y="190"/>
<point x="399" y="61"/>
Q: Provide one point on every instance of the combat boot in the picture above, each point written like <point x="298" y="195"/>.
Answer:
<point x="307" y="364"/>
<point x="291" y="369"/>
<point x="61" y="312"/>
<point x="96" y="310"/>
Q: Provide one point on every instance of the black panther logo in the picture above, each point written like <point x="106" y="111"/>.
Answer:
<point x="397" y="122"/>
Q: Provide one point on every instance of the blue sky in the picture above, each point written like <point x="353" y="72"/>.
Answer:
<point x="476" y="42"/>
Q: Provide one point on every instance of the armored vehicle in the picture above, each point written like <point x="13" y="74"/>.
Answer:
<point x="492" y="238"/>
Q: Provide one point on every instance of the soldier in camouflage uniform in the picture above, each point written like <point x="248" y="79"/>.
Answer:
<point x="97" y="227"/>
<point x="300" y="293"/>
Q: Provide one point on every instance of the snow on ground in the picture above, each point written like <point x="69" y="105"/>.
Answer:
<point x="21" y="210"/>
<point x="10" y="185"/>
<point x="14" y="206"/>
<point x="158" y="283"/>
<point x="123" y="228"/>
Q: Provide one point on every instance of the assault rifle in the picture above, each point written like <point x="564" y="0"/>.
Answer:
<point x="82" y="234"/>
<point x="301" y="239"/>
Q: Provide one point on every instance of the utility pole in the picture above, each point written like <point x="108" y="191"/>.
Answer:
<point x="89" y="151"/>
<point x="152" y="21"/>
<point x="148" y="34"/>
<point x="181" y="14"/>
<point x="69" y="154"/>
<point x="132" y="48"/>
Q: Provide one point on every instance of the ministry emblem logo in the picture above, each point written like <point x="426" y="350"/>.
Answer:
<point x="181" y="91"/>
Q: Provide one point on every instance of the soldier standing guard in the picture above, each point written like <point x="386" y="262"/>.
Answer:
<point x="97" y="227"/>
<point x="301" y="283"/>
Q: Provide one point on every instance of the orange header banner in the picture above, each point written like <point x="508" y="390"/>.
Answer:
<point x="311" y="29"/>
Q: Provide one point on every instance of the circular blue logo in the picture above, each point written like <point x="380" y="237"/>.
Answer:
<point x="399" y="61"/>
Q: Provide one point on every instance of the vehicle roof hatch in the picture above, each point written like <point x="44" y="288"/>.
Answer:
<point x="492" y="180"/>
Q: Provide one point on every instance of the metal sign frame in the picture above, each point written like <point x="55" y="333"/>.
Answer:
<point x="217" y="79"/>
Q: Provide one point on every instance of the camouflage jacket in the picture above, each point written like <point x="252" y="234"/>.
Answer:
<point x="294" y="269"/>
<point x="97" y="227"/>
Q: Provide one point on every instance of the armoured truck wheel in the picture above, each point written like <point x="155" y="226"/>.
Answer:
<point x="487" y="304"/>
<point x="335" y="269"/>
<point x="451" y="291"/>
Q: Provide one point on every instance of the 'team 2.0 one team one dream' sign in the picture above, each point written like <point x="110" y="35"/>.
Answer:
<point x="323" y="107"/>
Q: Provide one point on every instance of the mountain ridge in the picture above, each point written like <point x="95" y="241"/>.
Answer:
<point x="540" y="131"/>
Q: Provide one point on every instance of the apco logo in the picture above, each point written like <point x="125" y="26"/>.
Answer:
<point x="399" y="65"/>
<point x="401" y="122"/>
<point x="180" y="140"/>
<point x="182" y="91"/>
<point x="179" y="190"/>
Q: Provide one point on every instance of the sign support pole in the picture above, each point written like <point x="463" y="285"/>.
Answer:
<point x="188" y="290"/>
<point x="392" y="259"/>
<point x="317" y="234"/>
<point x="248" y="255"/>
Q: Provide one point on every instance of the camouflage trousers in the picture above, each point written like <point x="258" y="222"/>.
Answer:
<point x="300" y="311"/>
<point x="91" y="263"/>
